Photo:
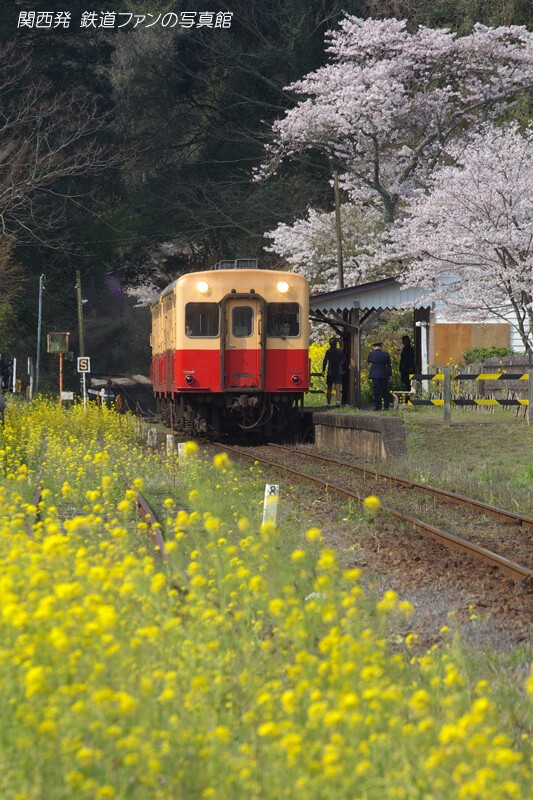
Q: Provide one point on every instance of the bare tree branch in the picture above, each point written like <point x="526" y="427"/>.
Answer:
<point x="47" y="140"/>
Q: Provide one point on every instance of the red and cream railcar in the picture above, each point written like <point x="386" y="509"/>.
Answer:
<point x="230" y="349"/>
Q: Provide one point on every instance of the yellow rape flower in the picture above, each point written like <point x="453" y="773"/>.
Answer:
<point x="371" y="504"/>
<point x="529" y="682"/>
<point x="106" y="792"/>
<point x="327" y="561"/>
<point x="267" y="729"/>
<point x="256" y="583"/>
<point x="222" y="733"/>
<point x="313" y="535"/>
<point x="388" y="602"/>
<point x="351" y="574"/>
<point x="276" y="607"/>
<point x="221" y="461"/>
<point x="35" y="681"/>
<point x="158" y="582"/>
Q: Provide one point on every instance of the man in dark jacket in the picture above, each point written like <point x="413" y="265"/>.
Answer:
<point x="381" y="375"/>
<point x="108" y="394"/>
<point x="334" y="360"/>
<point x="407" y="363"/>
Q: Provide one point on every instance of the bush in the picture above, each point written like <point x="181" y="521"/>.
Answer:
<point x="476" y="355"/>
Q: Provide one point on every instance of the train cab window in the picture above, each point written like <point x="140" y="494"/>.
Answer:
<point x="202" y="319"/>
<point x="242" y="321"/>
<point x="283" y="319"/>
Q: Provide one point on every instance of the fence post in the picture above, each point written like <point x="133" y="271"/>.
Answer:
<point x="530" y="396"/>
<point x="447" y="395"/>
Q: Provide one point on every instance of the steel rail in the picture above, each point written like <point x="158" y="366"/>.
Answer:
<point x="35" y="502"/>
<point x="494" y="511"/>
<point x="145" y="512"/>
<point x="510" y="568"/>
<point x="38" y="491"/>
<point x="147" y="515"/>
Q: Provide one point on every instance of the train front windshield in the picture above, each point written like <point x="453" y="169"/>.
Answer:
<point x="202" y="319"/>
<point x="283" y="319"/>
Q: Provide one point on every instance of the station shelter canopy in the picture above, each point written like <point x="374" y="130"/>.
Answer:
<point x="352" y="310"/>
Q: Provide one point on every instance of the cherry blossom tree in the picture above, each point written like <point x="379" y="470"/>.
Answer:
<point x="469" y="242"/>
<point x="390" y="102"/>
<point x="310" y="244"/>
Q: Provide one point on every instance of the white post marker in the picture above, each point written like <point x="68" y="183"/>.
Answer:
<point x="14" y="376"/>
<point x="270" y="505"/>
<point x="181" y="452"/>
<point x="170" y="443"/>
<point x="30" y="376"/>
<point x="84" y="366"/>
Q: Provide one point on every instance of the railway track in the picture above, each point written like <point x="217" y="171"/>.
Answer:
<point x="134" y="390"/>
<point x="143" y="509"/>
<point x="381" y="477"/>
<point x="511" y="568"/>
<point x="148" y="516"/>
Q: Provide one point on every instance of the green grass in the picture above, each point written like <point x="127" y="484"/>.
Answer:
<point x="486" y="455"/>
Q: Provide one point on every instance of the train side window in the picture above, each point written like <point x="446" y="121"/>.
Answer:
<point x="242" y="321"/>
<point x="202" y="319"/>
<point x="283" y="320"/>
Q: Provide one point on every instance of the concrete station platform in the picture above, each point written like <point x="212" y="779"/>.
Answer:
<point x="374" y="436"/>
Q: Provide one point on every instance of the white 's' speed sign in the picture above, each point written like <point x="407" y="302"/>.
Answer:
<point x="84" y="364"/>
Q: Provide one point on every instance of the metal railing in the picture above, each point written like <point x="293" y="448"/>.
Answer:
<point x="446" y="376"/>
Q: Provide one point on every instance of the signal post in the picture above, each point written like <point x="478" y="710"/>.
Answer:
<point x="84" y="366"/>
<point x="58" y="343"/>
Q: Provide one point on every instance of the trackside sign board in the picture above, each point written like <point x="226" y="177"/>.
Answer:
<point x="84" y="364"/>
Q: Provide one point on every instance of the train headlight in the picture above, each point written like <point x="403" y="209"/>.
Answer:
<point x="189" y="379"/>
<point x="282" y="286"/>
<point x="202" y="287"/>
<point x="296" y="379"/>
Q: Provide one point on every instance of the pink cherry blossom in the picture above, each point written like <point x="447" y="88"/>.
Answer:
<point x="469" y="241"/>
<point x="390" y="101"/>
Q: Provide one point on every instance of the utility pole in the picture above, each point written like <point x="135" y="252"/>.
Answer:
<point x="447" y="395"/>
<point x="80" y="315"/>
<point x="530" y="389"/>
<point x="338" y="226"/>
<point x="39" y="326"/>
<point x="338" y="231"/>
<point x="81" y="338"/>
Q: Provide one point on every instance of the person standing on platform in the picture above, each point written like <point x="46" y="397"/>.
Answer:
<point x="381" y="375"/>
<point x="345" y="372"/>
<point x="407" y="363"/>
<point x="108" y="394"/>
<point x="333" y="360"/>
<point x="3" y="368"/>
<point x="7" y="375"/>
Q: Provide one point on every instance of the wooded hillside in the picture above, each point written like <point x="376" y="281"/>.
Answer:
<point x="129" y="145"/>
